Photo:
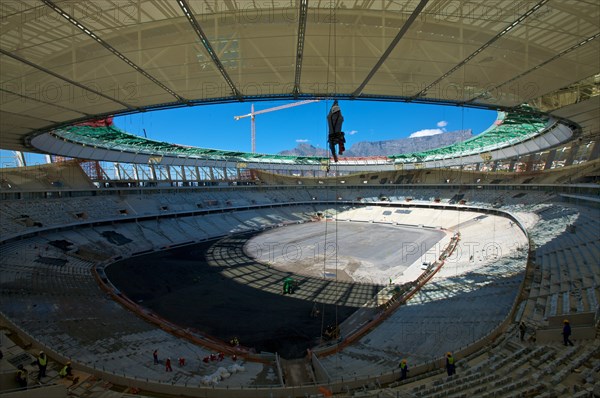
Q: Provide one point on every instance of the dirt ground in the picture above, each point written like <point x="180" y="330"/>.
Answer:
<point x="179" y="286"/>
<point x="346" y="251"/>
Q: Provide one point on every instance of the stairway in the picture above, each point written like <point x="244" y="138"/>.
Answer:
<point x="297" y="372"/>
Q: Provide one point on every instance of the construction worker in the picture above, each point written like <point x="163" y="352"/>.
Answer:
<point x="336" y="135"/>
<point x="66" y="371"/>
<point x="288" y="286"/>
<point x="450" y="365"/>
<point x="21" y="376"/>
<point x="522" y="330"/>
<point x="315" y="311"/>
<point x="42" y="363"/>
<point x="403" y="369"/>
<point x="566" y="333"/>
<point x="168" y="367"/>
<point x="332" y="332"/>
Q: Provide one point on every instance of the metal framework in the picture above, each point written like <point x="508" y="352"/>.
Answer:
<point x="511" y="135"/>
<point x="66" y="62"/>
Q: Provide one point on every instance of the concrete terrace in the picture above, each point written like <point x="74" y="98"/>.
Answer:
<point x="47" y="293"/>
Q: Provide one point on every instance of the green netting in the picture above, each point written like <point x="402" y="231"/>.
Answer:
<point x="114" y="139"/>
<point x="508" y="129"/>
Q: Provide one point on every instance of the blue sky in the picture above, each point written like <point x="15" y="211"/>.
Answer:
<point x="213" y="126"/>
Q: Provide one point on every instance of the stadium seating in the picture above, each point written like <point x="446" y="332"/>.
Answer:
<point x="459" y="309"/>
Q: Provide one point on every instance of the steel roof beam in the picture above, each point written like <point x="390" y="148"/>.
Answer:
<point x="209" y="49"/>
<point x="554" y="58"/>
<point x="29" y="98"/>
<point x="113" y="50"/>
<point x="483" y="47"/>
<point x="300" y="44"/>
<point x="391" y="47"/>
<point x="66" y="79"/>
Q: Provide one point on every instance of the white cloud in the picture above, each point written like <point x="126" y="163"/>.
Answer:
<point x="302" y="140"/>
<point x="426" y="133"/>
<point x="442" y="123"/>
<point x="352" y="132"/>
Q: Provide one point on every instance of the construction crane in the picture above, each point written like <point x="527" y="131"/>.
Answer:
<point x="253" y="114"/>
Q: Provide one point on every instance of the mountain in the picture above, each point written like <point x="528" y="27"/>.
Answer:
<point x="304" y="149"/>
<point x="388" y="147"/>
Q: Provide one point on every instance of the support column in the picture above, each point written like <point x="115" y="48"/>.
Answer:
<point x="529" y="162"/>
<point x="550" y="159"/>
<point x="571" y="155"/>
<point x="152" y="172"/>
<point x="184" y="177"/>
<point x="117" y="171"/>
<point x="20" y="159"/>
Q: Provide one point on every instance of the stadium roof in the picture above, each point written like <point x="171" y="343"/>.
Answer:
<point x="518" y="132"/>
<point x="66" y="61"/>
